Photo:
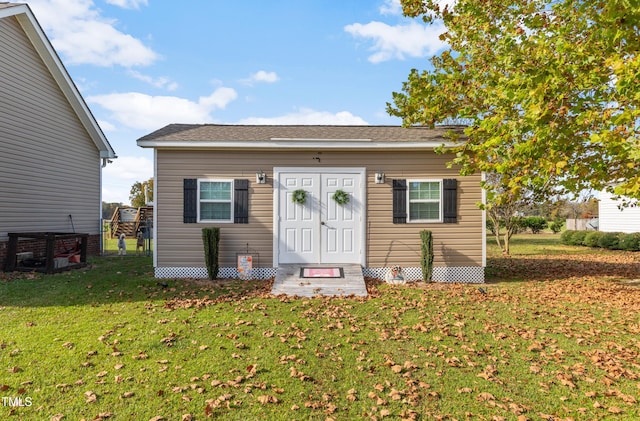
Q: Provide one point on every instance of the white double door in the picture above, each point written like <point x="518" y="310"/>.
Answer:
<point x="320" y="230"/>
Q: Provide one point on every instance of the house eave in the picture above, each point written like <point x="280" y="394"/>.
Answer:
<point x="354" y="144"/>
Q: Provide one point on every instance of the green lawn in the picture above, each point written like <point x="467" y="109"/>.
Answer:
<point x="110" y="246"/>
<point x="553" y="335"/>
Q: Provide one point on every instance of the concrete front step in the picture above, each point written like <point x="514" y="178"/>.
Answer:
<point x="289" y="282"/>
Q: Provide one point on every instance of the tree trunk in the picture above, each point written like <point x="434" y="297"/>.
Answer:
<point x="507" y="237"/>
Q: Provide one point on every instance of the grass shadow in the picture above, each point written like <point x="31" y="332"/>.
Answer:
<point x="109" y="280"/>
<point x="624" y="265"/>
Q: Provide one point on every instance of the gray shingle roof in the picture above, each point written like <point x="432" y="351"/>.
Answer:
<point x="5" y="4"/>
<point x="217" y="132"/>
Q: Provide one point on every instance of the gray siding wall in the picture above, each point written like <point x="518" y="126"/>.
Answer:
<point x="49" y="167"/>
<point x="180" y="245"/>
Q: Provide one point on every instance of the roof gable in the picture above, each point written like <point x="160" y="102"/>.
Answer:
<point x="22" y="13"/>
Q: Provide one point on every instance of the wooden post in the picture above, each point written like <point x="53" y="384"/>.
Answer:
<point x="51" y="244"/>
<point x="10" y="263"/>
<point x="83" y="248"/>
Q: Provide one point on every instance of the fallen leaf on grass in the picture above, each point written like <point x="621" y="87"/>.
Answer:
<point x="90" y="396"/>
<point x="566" y="380"/>
<point x="265" y="399"/>
<point x="485" y="396"/>
<point x="140" y="356"/>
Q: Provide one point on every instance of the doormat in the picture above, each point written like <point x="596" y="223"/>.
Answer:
<point x="321" y="273"/>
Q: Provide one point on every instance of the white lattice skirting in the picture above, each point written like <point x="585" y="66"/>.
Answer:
<point x="471" y="274"/>
<point x="467" y="275"/>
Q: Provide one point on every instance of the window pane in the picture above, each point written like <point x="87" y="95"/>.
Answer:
<point x="215" y="211"/>
<point x="215" y="190"/>
<point x="424" y="190"/>
<point x="424" y="211"/>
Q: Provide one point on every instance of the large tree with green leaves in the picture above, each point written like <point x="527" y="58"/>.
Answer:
<point x="551" y="89"/>
<point x="137" y="193"/>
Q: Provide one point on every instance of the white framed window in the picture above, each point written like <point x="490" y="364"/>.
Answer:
<point x="424" y="200"/>
<point x="215" y="200"/>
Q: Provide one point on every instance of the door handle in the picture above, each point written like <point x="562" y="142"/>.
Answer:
<point x="322" y="223"/>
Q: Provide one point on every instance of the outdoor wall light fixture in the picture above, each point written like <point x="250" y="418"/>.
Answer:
<point x="261" y="177"/>
<point x="379" y="177"/>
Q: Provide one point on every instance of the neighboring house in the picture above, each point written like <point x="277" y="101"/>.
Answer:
<point x="614" y="217"/>
<point x="209" y="175"/>
<point x="51" y="147"/>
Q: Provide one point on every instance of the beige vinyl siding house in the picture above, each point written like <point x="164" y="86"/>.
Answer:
<point x="51" y="147"/>
<point x="369" y="230"/>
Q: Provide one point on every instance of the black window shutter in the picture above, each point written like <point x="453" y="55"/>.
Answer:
<point x="190" y="200"/>
<point x="241" y="201"/>
<point x="450" y="200"/>
<point x="399" y="201"/>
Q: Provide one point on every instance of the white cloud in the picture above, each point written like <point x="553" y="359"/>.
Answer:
<point x="129" y="168"/>
<point x="106" y="126"/>
<point x="391" y="7"/>
<point x="128" y="4"/>
<point x="158" y="82"/>
<point x="413" y="39"/>
<point x="219" y="99"/>
<point x="141" y="111"/>
<point x="309" y="116"/>
<point x="261" y="76"/>
<point x="82" y="36"/>
<point x="121" y="174"/>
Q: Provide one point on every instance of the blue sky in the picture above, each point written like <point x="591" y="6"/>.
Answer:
<point x="143" y="64"/>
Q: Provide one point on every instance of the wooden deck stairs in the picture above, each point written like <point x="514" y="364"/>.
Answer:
<point x="128" y="221"/>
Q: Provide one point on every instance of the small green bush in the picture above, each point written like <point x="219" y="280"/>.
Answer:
<point x="210" y="240"/>
<point x="592" y="239"/>
<point x="605" y="240"/>
<point x="629" y="242"/>
<point x="426" y="259"/>
<point x="577" y="238"/>
<point x="556" y="226"/>
<point x="535" y="223"/>
<point x="609" y="240"/>
<point x="566" y="236"/>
